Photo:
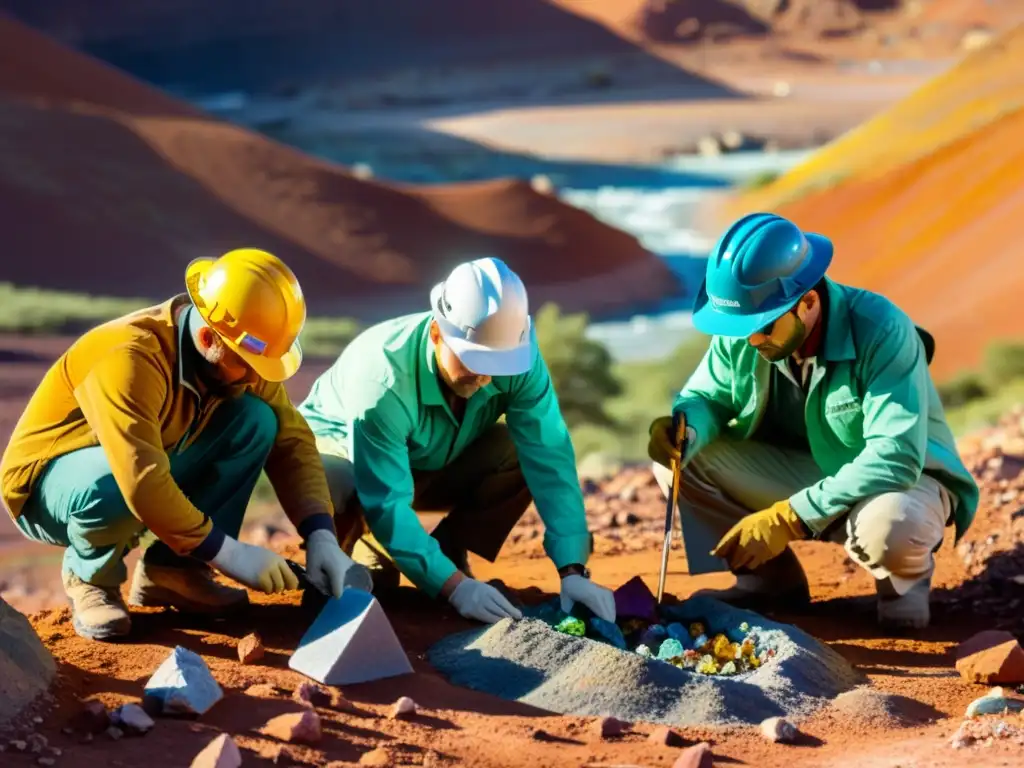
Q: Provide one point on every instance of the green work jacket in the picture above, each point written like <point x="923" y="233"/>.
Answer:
<point x="873" y="416"/>
<point x="382" y="401"/>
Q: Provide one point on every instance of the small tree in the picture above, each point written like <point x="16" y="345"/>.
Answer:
<point x="581" y="369"/>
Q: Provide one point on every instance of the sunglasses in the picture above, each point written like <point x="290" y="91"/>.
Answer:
<point x="783" y="326"/>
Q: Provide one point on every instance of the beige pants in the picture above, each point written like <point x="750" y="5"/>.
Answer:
<point x="893" y="535"/>
<point x="483" y="491"/>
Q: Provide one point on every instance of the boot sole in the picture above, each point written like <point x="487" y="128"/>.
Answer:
<point x="159" y="597"/>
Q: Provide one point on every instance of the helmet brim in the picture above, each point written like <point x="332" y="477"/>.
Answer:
<point x="267" y="368"/>
<point x="482" y="360"/>
<point x="713" y="322"/>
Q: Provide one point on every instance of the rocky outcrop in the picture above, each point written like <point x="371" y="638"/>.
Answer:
<point x="26" y="666"/>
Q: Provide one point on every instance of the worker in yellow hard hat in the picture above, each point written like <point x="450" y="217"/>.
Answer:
<point x="159" y="423"/>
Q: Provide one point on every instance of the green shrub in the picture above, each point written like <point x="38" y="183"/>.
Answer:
<point x="581" y="369"/>
<point x="761" y="180"/>
<point x="1004" y="362"/>
<point x="961" y="390"/>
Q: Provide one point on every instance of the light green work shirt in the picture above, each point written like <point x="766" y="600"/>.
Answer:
<point x="382" y="401"/>
<point x="872" y="415"/>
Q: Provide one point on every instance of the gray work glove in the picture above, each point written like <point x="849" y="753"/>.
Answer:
<point x="329" y="569"/>
<point x="600" y="600"/>
<point x="474" y="599"/>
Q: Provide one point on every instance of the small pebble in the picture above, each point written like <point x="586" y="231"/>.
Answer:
<point x="665" y="736"/>
<point x="376" y="757"/>
<point x="19" y="745"/>
<point x="302" y="727"/>
<point x="114" y="732"/>
<point x="36" y="742"/>
<point x="404" y="707"/>
<point x="37" y="720"/>
<point x="312" y="695"/>
<point x="132" y="718"/>
<point x="609" y="727"/>
<point x="778" y="730"/>
<point x="250" y="648"/>
<point x="697" y="756"/>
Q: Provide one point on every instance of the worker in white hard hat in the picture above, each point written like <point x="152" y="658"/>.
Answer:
<point x="406" y="420"/>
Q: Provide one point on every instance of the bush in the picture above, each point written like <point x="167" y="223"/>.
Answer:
<point x="761" y="180"/>
<point x="327" y="336"/>
<point x="581" y="369"/>
<point x="1004" y="362"/>
<point x="961" y="390"/>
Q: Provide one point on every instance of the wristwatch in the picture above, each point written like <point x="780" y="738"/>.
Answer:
<point x="574" y="568"/>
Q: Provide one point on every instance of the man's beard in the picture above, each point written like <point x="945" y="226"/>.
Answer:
<point x="773" y="350"/>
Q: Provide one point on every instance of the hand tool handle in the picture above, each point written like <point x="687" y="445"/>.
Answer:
<point x="679" y="442"/>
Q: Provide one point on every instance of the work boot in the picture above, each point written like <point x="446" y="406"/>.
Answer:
<point x="97" y="613"/>
<point x="189" y="588"/>
<point x="383" y="571"/>
<point x="778" y="584"/>
<point x="909" y="611"/>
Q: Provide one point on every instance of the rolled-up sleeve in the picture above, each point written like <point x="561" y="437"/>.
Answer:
<point x="548" y="461"/>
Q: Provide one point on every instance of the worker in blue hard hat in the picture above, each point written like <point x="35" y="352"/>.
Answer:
<point x="811" y="416"/>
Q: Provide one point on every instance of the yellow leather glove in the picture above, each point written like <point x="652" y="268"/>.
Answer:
<point x="661" y="447"/>
<point x="760" y="536"/>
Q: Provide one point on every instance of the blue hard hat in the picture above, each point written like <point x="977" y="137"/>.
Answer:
<point x="758" y="270"/>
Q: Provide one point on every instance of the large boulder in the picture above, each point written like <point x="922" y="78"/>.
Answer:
<point x="26" y="667"/>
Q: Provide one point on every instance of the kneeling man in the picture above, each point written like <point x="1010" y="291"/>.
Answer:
<point x="408" y="419"/>
<point x="159" y="423"/>
<point x="812" y="416"/>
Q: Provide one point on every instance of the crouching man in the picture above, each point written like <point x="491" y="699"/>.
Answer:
<point x="160" y="422"/>
<point x="812" y="416"/>
<point x="407" y="419"/>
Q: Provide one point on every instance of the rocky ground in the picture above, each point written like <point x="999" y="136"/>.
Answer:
<point x="977" y="587"/>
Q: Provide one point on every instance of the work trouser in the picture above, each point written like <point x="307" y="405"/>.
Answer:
<point x="76" y="503"/>
<point x="483" y="492"/>
<point x="893" y="535"/>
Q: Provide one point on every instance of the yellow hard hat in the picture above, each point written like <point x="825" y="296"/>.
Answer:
<point x="254" y="303"/>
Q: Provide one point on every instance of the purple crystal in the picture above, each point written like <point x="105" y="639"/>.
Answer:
<point x="634" y="600"/>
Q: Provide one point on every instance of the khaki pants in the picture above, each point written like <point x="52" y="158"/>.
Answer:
<point x="893" y="536"/>
<point x="483" y="491"/>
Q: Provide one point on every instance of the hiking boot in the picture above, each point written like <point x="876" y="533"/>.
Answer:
<point x="909" y="611"/>
<point x="383" y="571"/>
<point x="97" y="613"/>
<point x="189" y="588"/>
<point x="778" y="584"/>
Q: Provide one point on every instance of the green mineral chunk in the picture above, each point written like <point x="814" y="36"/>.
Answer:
<point x="570" y="625"/>
<point x="669" y="649"/>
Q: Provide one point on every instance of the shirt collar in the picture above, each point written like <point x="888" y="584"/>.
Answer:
<point x="429" y="383"/>
<point x="187" y="371"/>
<point x="838" y="332"/>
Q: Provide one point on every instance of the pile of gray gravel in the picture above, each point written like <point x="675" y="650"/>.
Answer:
<point x="528" y="661"/>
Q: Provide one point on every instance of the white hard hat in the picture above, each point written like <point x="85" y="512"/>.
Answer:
<point x="484" y="317"/>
